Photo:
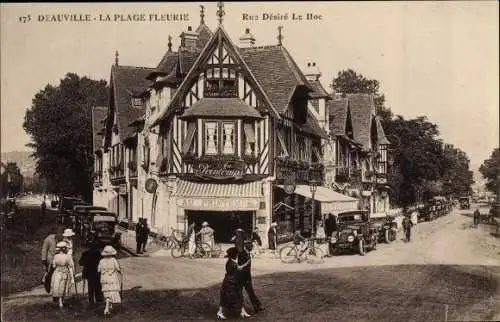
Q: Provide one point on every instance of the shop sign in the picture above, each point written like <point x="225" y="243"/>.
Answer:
<point x="219" y="170"/>
<point x="219" y="203"/>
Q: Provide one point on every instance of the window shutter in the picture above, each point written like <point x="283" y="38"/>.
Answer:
<point x="189" y="137"/>
<point x="281" y="139"/>
<point x="249" y="132"/>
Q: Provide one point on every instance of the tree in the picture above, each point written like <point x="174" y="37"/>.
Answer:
<point x="490" y="170"/>
<point x="11" y="180"/>
<point x="457" y="179"/>
<point x="59" y="123"/>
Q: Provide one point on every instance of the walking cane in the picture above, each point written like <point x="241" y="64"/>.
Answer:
<point x="76" y="289"/>
<point x="121" y="286"/>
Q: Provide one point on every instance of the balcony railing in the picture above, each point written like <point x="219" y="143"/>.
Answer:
<point x="302" y="172"/>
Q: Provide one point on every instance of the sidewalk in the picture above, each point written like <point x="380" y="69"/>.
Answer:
<point x="129" y="243"/>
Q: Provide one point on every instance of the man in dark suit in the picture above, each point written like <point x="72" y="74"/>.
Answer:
<point x="245" y="275"/>
<point x="90" y="260"/>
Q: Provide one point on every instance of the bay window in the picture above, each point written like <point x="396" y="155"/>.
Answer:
<point x="249" y="140"/>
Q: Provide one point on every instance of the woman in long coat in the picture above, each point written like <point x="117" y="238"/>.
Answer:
<point x="272" y="236"/>
<point x="231" y="292"/>
<point x="63" y="278"/>
<point x="111" y="280"/>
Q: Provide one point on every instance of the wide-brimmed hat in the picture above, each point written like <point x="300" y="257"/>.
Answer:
<point x="204" y="223"/>
<point x="68" y="233"/>
<point x="108" y="251"/>
<point x="61" y="245"/>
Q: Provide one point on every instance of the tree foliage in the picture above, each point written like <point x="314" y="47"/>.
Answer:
<point x="490" y="170"/>
<point x="59" y="123"/>
<point x="423" y="165"/>
<point x="11" y="180"/>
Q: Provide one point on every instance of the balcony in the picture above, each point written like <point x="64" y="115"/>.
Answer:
<point x="302" y="172"/>
<point x="342" y="174"/>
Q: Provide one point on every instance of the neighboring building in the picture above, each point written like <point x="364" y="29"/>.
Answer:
<point x="99" y="196"/>
<point x="356" y="152"/>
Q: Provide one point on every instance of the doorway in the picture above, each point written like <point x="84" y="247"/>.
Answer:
<point x="224" y="223"/>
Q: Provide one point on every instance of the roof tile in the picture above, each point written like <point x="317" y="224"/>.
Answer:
<point x="98" y="115"/>
<point x="221" y="107"/>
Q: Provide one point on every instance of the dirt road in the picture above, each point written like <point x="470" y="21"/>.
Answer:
<point x="449" y="270"/>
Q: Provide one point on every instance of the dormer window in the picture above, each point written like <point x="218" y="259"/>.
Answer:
<point x="136" y="102"/>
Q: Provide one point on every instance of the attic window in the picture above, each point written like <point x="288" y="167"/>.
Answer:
<point x="136" y="101"/>
<point x="221" y="82"/>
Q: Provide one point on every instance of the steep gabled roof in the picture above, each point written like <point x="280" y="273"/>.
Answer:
<point x="204" y="35"/>
<point x="166" y="65"/>
<point x="337" y="109"/>
<point x="276" y="71"/>
<point x="382" y="139"/>
<point x="318" y="90"/>
<point x="98" y="115"/>
<point x="221" y="107"/>
<point x="232" y="49"/>
<point x="362" y="110"/>
<point x="125" y="81"/>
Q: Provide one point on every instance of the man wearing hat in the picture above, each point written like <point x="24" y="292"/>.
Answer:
<point x="49" y="247"/>
<point x="90" y="260"/>
<point x="207" y="234"/>
<point x="272" y="236"/>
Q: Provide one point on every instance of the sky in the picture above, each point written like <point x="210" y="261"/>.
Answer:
<point x="434" y="59"/>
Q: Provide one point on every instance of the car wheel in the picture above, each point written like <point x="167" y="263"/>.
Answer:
<point x="361" y="247"/>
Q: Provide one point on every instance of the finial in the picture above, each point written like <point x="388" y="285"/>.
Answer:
<point x="280" y="36"/>
<point x="116" y="58"/>
<point x="220" y="12"/>
<point x="202" y="14"/>
<point x="169" y="43"/>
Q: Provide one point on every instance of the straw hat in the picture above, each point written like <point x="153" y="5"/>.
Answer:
<point x="108" y="251"/>
<point x="68" y="233"/>
<point x="274" y="224"/>
<point x="61" y="244"/>
<point x="204" y="224"/>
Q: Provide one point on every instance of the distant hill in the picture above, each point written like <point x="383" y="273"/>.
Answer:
<point x="23" y="160"/>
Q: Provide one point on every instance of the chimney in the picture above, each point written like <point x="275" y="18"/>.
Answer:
<point x="189" y="38"/>
<point x="247" y="40"/>
<point x="312" y="72"/>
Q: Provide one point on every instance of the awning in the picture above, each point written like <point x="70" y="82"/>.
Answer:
<point x="330" y="200"/>
<point x="219" y="197"/>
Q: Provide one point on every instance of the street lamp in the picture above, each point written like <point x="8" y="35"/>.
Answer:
<point x="313" y="185"/>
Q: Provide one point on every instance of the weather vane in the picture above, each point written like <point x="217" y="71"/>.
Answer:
<point x="116" y="57"/>
<point x="202" y="13"/>
<point x="220" y="12"/>
<point x="169" y="43"/>
<point x="280" y="36"/>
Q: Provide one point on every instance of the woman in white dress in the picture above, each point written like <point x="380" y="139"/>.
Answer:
<point x="110" y="278"/>
<point x="63" y="278"/>
<point x="68" y="238"/>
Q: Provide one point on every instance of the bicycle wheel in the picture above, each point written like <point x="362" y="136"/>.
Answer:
<point x="288" y="254"/>
<point x="314" y="255"/>
<point x="205" y="250"/>
<point x="178" y="251"/>
<point x="170" y="243"/>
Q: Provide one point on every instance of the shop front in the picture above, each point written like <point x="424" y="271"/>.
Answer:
<point x="225" y="206"/>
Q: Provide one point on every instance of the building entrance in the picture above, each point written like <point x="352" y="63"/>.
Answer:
<point x="224" y="223"/>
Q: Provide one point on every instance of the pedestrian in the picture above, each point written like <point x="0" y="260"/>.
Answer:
<point x="320" y="232"/>
<point x="191" y="239"/>
<point x="90" y="261"/>
<point x="231" y="292"/>
<point x="145" y="234"/>
<point x="111" y="278"/>
<point x="272" y="236"/>
<point x="63" y="278"/>
<point x="476" y="215"/>
<point x="49" y="247"/>
<point x="407" y="224"/>
<point x="207" y="234"/>
<point x="256" y="240"/>
<point x="43" y="208"/>
<point x="68" y="238"/>
<point x="139" y="235"/>
<point x="245" y="274"/>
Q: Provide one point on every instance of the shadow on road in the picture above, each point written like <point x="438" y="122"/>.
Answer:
<point x="384" y="293"/>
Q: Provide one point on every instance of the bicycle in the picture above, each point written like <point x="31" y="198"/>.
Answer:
<point x="168" y="242"/>
<point x="203" y="250"/>
<point x="310" y="253"/>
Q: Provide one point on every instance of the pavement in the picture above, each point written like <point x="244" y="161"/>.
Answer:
<point x="448" y="265"/>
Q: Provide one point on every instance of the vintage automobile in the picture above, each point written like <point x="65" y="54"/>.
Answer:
<point x="100" y="228"/>
<point x="66" y="205"/>
<point x="386" y="227"/>
<point x="464" y="202"/>
<point x="353" y="232"/>
<point x="427" y="212"/>
<point x="79" y="217"/>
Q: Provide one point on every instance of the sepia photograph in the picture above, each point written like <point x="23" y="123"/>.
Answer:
<point x="266" y="161"/>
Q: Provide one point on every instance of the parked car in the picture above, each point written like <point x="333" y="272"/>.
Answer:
<point x="354" y="232"/>
<point x="100" y="228"/>
<point x="464" y="202"/>
<point x="80" y="212"/>
<point x="427" y="212"/>
<point x="386" y="227"/>
<point x="66" y="209"/>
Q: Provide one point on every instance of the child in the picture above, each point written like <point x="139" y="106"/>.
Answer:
<point x="111" y="280"/>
